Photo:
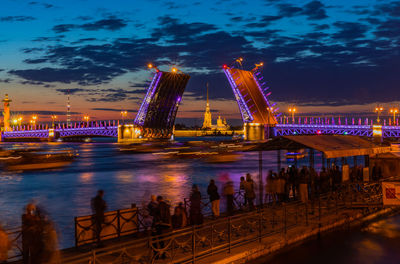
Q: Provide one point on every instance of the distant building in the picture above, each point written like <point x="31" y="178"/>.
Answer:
<point x="207" y="123"/>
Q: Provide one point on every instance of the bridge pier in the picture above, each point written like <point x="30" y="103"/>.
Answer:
<point x="257" y="131"/>
<point x="129" y="133"/>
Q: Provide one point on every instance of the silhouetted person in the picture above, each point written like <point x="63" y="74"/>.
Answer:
<point x="162" y="222"/>
<point x="30" y="235"/>
<point x="179" y="219"/>
<point x="229" y="191"/>
<point x="212" y="192"/>
<point x="48" y="242"/>
<point x="241" y="189"/>
<point x="249" y="191"/>
<point x="152" y="206"/>
<point x="99" y="206"/>
<point x="196" y="217"/>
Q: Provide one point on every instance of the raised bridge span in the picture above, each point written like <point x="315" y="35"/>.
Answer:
<point x="156" y="116"/>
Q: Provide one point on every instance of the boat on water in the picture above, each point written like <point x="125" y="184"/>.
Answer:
<point x="294" y="155"/>
<point x="224" y="157"/>
<point x="37" y="160"/>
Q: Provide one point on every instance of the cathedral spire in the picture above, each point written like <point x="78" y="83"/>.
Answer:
<point x="207" y="124"/>
<point x="207" y="95"/>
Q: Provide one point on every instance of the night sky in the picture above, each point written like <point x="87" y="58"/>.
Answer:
<point x="331" y="56"/>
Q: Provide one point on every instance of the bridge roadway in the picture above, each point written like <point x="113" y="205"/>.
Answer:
<point x="100" y="131"/>
<point x="280" y="130"/>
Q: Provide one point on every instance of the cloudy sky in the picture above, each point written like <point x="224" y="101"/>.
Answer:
<point x="330" y="56"/>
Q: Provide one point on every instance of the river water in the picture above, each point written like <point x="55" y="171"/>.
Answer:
<point x="377" y="243"/>
<point x="125" y="178"/>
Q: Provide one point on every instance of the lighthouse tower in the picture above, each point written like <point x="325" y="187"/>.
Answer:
<point x="6" y="113"/>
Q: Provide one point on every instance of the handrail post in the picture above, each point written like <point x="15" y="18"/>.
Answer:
<point x="193" y="244"/>
<point x="306" y="214"/>
<point x="260" y="226"/>
<point x="212" y="239"/>
<point x="319" y="216"/>
<point x="229" y="234"/>
<point x="118" y="223"/>
<point x="285" y="221"/>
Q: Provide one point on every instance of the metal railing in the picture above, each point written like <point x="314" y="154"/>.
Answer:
<point x="191" y="243"/>
<point x="116" y="224"/>
<point x="196" y="242"/>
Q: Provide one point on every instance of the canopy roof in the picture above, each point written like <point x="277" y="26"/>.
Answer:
<point x="333" y="146"/>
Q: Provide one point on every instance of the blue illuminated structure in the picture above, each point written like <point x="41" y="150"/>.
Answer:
<point x="244" y="110"/>
<point x="141" y="115"/>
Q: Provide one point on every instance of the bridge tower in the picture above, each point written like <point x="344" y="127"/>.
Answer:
<point x="6" y="113"/>
<point x="156" y="116"/>
<point x="250" y="91"/>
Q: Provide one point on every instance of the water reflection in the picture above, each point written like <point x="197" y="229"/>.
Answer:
<point x="370" y="245"/>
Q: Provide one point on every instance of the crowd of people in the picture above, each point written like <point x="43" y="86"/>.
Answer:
<point x="39" y="238"/>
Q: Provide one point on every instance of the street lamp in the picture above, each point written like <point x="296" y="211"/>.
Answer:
<point x="394" y="111"/>
<point x="86" y="118"/>
<point x="240" y="61"/>
<point x="53" y="118"/>
<point x="378" y="110"/>
<point x="19" y="121"/>
<point x="33" y="120"/>
<point x="124" y="114"/>
<point x="292" y="110"/>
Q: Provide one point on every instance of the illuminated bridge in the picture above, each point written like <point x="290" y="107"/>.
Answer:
<point x="261" y="120"/>
<point x="251" y="94"/>
<point x="155" y="118"/>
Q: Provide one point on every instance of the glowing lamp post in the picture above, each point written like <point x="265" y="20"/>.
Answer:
<point x="86" y="118"/>
<point x="53" y="118"/>
<point x="240" y="61"/>
<point x="292" y="110"/>
<point x="378" y="110"/>
<point x="33" y="120"/>
<point x="394" y="111"/>
<point x="19" y="121"/>
<point x="124" y="114"/>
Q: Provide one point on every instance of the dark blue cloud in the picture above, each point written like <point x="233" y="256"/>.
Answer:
<point x="314" y="10"/>
<point x="70" y="91"/>
<point x="110" y="23"/>
<point x="45" y="5"/>
<point x="17" y="18"/>
<point x="349" y="30"/>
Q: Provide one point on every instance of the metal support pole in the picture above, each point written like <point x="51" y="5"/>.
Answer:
<point x="306" y="214"/>
<point x="279" y="160"/>
<point x="229" y="234"/>
<point x="193" y="244"/>
<point x="366" y="161"/>
<point x="260" y="180"/>
<point x="311" y="158"/>
<point x="260" y="226"/>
